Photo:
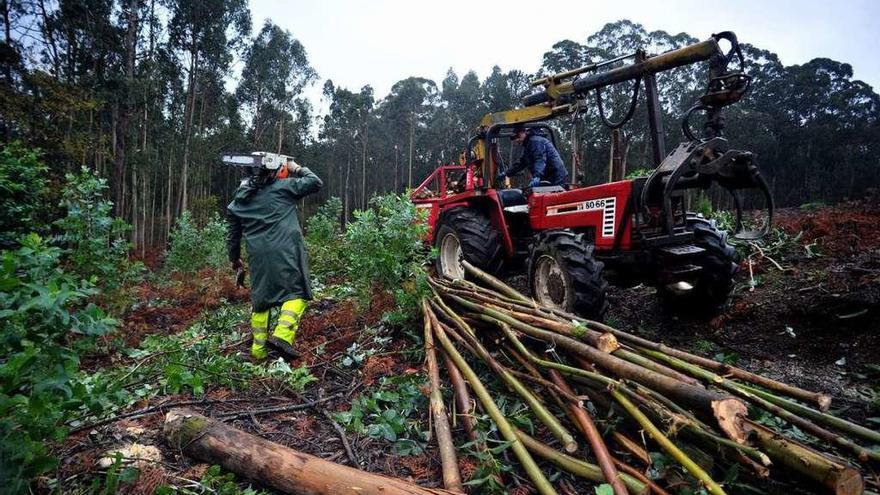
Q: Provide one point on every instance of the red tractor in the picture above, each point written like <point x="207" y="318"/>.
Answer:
<point x="575" y="241"/>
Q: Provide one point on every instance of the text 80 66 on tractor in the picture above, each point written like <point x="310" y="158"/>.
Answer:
<point x="575" y="240"/>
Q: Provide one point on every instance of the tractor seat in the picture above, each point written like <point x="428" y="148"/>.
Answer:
<point x="511" y="197"/>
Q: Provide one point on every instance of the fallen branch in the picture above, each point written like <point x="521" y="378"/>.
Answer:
<point x="495" y="283"/>
<point x="585" y="423"/>
<point x="159" y="408"/>
<point x="270" y="410"/>
<point x="448" y="459"/>
<point x="541" y="483"/>
<point x="576" y="466"/>
<point x="341" y="432"/>
<point x="273" y="465"/>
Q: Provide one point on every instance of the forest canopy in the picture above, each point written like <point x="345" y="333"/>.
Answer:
<point x="141" y="92"/>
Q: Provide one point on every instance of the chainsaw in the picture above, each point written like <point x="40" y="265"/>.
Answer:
<point x="257" y="160"/>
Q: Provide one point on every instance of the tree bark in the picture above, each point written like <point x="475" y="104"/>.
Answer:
<point x="274" y="465"/>
<point x="451" y="475"/>
<point x="188" y="122"/>
<point x="585" y="423"/>
<point x="840" y="479"/>
<point x="727" y="410"/>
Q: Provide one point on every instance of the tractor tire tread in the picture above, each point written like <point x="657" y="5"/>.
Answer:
<point x="720" y="266"/>
<point x="479" y="239"/>
<point x="585" y="272"/>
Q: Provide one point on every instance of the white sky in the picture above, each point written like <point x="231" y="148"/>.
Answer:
<point x="380" y="42"/>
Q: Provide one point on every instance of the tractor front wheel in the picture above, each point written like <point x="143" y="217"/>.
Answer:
<point x="720" y="265"/>
<point x="466" y="233"/>
<point x="563" y="274"/>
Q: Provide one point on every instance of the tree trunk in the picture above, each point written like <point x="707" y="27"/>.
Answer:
<point x="188" y="122"/>
<point x="345" y="189"/>
<point x="280" y="133"/>
<point x="274" y="465"/>
<point x="840" y="479"/>
<point x="451" y="475"/>
<point x="7" y="31"/>
<point x="168" y="200"/>
<point x="412" y="124"/>
<point x="364" y="170"/>
<point x="617" y="163"/>
<point x="135" y="222"/>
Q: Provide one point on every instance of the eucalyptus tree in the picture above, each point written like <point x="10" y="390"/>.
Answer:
<point x="276" y="70"/>
<point x="346" y="128"/>
<point x="205" y="34"/>
<point x="410" y="105"/>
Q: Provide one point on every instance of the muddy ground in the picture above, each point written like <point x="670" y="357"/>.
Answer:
<point x="805" y="315"/>
<point x="809" y="315"/>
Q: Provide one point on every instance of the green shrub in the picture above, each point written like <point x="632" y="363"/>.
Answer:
<point x="637" y="173"/>
<point x="323" y="226"/>
<point x="384" y="247"/>
<point x="704" y="206"/>
<point x="324" y="240"/>
<point x="40" y="306"/>
<point x="390" y="413"/>
<point x="95" y="242"/>
<point x="22" y="192"/>
<point x="192" y="248"/>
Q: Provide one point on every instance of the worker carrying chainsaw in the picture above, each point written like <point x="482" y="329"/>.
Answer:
<point x="263" y="210"/>
<point x="540" y="157"/>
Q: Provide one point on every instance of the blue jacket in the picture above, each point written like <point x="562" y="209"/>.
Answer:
<point x="542" y="159"/>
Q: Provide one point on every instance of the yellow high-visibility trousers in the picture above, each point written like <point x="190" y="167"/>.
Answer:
<point x="260" y="331"/>
<point x="285" y="329"/>
<point x="288" y="320"/>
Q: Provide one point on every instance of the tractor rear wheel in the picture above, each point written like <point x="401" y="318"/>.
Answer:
<point x="466" y="233"/>
<point x="563" y="274"/>
<point x="720" y="265"/>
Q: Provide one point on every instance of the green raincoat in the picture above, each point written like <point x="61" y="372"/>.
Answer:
<point x="266" y="216"/>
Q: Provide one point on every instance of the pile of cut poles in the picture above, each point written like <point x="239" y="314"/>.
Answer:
<point x="701" y="413"/>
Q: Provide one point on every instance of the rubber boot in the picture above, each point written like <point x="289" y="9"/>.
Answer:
<point x="288" y="323"/>
<point x="260" y="331"/>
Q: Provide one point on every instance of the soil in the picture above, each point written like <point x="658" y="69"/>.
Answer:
<point x="814" y="323"/>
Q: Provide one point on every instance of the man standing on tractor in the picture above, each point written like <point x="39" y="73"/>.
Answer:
<point x="264" y="211"/>
<point x="540" y="157"/>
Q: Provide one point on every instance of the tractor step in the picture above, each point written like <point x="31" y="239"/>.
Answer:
<point x="517" y="209"/>
<point x="680" y="251"/>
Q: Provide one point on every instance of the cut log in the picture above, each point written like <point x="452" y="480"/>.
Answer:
<point x="531" y="468"/>
<point x="577" y="466"/>
<point x="585" y="423"/>
<point x="822" y="400"/>
<point x="463" y="402"/>
<point x="837" y="477"/>
<point x="695" y="396"/>
<point x="495" y="283"/>
<point x="274" y="465"/>
<point x="448" y="459"/>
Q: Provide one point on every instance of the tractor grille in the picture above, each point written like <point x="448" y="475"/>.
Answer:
<point x="608" y="217"/>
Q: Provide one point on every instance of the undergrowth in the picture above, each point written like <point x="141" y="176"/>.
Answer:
<point x="47" y="320"/>
<point x="778" y="244"/>
<point x="391" y="412"/>
<point x="188" y="362"/>
<point x="384" y="249"/>
<point x="96" y="244"/>
<point x="193" y="246"/>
